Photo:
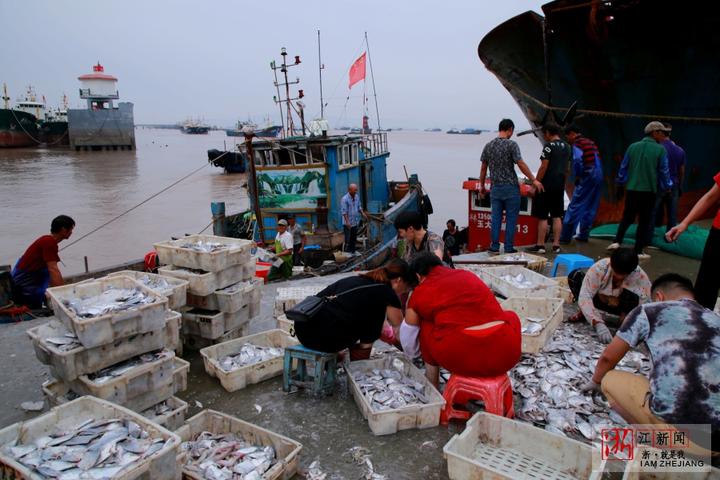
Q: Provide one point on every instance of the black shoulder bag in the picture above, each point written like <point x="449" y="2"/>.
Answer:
<point x="306" y="309"/>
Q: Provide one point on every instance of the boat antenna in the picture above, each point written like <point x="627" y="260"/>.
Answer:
<point x="5" y="97"/>
<point x="275" y="98"/>
<point x="288" y="101"/>
<point x="372" y="76"/>
<point x="321" y="67"/>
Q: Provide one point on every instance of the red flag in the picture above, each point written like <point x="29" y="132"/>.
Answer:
<point x="357" y="71"/>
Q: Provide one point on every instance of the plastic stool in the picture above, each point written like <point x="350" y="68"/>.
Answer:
<point x="571" y="262"/>
<point x="322" y="381"/>
<point x="495" y="392"/>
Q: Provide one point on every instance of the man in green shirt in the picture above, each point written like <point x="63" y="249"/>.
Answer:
<point x="644" y="174"/>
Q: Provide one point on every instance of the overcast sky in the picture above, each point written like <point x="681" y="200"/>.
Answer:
<point x="210" y="59"/>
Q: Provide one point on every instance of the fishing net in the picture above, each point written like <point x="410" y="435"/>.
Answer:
<point x="690" y="244"/>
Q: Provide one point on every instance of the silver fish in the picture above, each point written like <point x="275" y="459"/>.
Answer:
<point x="389" y="389"/>
<point x="111" y="300"/>
<point x="220" y="456"/>
<point x="532" y="329"/>
<point x="107" y="374"/>
<point x="249" y="354"/>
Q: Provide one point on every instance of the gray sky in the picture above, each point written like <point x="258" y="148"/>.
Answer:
<point x="210" y="58"/>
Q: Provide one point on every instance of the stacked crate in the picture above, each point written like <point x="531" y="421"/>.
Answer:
<point x="223" y="292"/>
<point x="288" y="297"/>
<point x="109" y="339"/>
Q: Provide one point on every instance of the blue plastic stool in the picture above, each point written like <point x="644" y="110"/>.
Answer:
<point x="571" y="262"/>
<point x="322" y="381"/>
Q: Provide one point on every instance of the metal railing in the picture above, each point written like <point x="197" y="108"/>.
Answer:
<point x="375" y="144"/>
<point x="86" y="92"/>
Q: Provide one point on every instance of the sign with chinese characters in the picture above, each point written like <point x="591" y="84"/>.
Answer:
<point x="480" y="225"/>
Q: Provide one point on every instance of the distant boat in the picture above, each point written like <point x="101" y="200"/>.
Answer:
<point x="194" y="127"/>
<point x="434" y="130"/>
<point x="53" y="130"/>
<point x="453" y="131"/>
<point x="18" y="126"/>
<point x="465" y="131"/>
<point x="238" y="130"/>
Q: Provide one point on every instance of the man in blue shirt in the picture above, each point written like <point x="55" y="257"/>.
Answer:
<point x="351" y="210"/>
<point x="668" y="201"/>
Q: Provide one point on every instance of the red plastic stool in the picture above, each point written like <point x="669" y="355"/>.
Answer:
<point x="495" y="392"/>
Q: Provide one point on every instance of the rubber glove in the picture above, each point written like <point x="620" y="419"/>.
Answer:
<point x="590" y="386"/>
<point x="603" y="333"/>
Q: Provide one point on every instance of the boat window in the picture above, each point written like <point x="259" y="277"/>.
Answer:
<point x="282" y="156"/>
<point x="317" y="153"/>
<point x="268" y="158"/>
<point x="259" y="158"/>
<point x="354" y="154"/>
<point x="344" y="159"/>
<point x="301" y="157"/>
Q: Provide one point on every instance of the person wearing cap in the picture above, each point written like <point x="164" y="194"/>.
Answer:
<point x="669" y="201"/>
<point x="298" y="235"/>
<point x="283" y="252"/>
<point x="643" y="173"/>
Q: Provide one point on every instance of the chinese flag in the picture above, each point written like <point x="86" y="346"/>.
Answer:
<point x="357" y="71"/>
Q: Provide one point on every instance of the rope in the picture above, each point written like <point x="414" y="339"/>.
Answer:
<point x="138" y="205"/>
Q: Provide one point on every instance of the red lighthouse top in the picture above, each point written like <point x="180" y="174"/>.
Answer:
<point x="97" y="74"/>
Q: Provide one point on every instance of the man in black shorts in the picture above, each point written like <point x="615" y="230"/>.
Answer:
<point x="554" y="161"/>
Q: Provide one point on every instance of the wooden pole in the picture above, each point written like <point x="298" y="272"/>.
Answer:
<point x="254" y="195"/>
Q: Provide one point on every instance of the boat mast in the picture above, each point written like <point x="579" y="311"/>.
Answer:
<point x="372" y="76"/>
<point x="5" y="97"/>
<point x="288" y="101"/>
<point x="320" y="69"/>
<point x="275" y="98"/>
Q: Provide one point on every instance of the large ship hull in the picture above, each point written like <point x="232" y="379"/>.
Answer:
<point x="612" y="60"/>
<point x="17" y="129"/>
<point x="54" y="133"/>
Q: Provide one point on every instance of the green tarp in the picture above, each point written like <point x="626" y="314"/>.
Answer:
<point x="690" y="244"/>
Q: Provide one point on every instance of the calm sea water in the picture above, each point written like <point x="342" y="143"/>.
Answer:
<point x="93" y="187"/>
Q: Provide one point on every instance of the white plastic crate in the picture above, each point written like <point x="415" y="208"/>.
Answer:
<point x="196" y="342"/>
<point x="180" y="374"/>
<point x="57" y="393"/>
<point x="385" y="422"/>
<point x="68" y="365"/>
<point x="250" y="374"/>
<point x="283" y="323"/>
<point x="499" y="448"/>
<point x="204" y="283"/>
<point x="564" y="291"/>
<point x="542" y="286"/>
<point x="288" y="297"/>
<point x="211" y="324"/>
<point x="550" y="310"/>
<point x="534" y="262"/>
<point x="230" y="299"/>
<point x="173" y="419"/>
<point x="176" y="291"/>
<point x="482" y="271"/>
<point x="105" y="329"/>
<point x="237" y="251"/>
<point x="137" y="389"/>
<point x="161" y="465"/>
<point x="287" y="450"/>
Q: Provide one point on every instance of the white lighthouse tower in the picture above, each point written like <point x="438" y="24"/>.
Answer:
<point x="98" y="88"/>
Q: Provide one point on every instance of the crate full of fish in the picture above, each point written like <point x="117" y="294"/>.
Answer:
<point x="212" y="324"/>
<point x="539" y="317"/>
<point x="137" y="383"/>
<point x="169" y="413"/>
<point x="247" y="360"/>
<point x="58" y="347"/>
<point x="481" y="271"/>
<point x="496" y="447"/>
<point x="204" y="252"/>
<point x="394" y="395"/>
<point x="202" y="283"/>
<point x="89" y="438"/>
<point x="229" y="299"/>
<point x="242" y="450"/>
<point x="196" y="342"/>
<point x="104" y="310"/>
<point x="174" y="289"/>
<point x="534" y="262"/>
<point x="516" y="281"/>
<point x="284" y="323"/>
<point x="288" y="297"/>
<point x="181" y="368"/>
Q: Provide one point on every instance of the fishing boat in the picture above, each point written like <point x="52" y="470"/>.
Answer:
<point x="194" y="127"/>
<point x="231" y="162"/>
<point x="53" y="129"/>
<point x="19" y="125"/>
<point x="599" y="55"/>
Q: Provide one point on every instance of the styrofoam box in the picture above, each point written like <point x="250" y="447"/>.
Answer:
<point x="288" y="297"/>
<point x="104" y="329"/>
<point x="385" y="422"/>
<point x="283" y="323"/>
<point x="229" y="299"/>
<point x="196" y="342"/>
<point x="69" y="365"/>
<point x="161" y="465"/>
<point x="176" y="293"/>
<point x="138" y="389"/>
<point x="287" y="450"/>
<point x="512" y="449"/>
<point x="205" y="283"/>
<point x="549" y="309"/>
<point x="542" y="285"/>
<point x="249" y="374"/>
<point x="211" y="324"/>
<point x="180" y="373"/>
<point x="172" y="253"/>
<point x="173" y="419"/>
<point x="534" y="262"/>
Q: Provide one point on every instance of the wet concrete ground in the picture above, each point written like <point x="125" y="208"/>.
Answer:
<point x="327" y="427"/>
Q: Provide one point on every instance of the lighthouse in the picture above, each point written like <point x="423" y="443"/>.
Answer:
<point x="103" y="125"/>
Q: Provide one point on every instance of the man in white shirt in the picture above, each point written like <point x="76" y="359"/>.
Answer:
<point x="283" y="252"/>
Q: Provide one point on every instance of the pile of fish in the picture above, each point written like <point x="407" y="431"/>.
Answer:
<point x="158" y="284"/>
<point x="518" y="281"/>
<point x="549" y="384"/>
<point x="520" y="257"/>
<point x="65" y="343"/>
<point x="95" y="449"/>
<point x="107" y="374"/>
<point x="111" y="300"/>
<point x="225" y="456"/>
<point x="533" y="326"/>
<point x="249" y="354"/>
<point x="204" y="247"/>
<point x="236" y="287"/>
<point x="388" y="389"/>
<point x="156" y="410"/>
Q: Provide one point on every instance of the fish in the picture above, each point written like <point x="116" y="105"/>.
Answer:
<point x="518" y="280"/>
<point x="236" y="287"/>
<point x="107" y="374"/>
<point x="225" y="456"/>
<point x="158" y="284"/>
<point x="111" y="300"/>
<point x="532" y="329"/>
<point x="205" y="247"/>
<point x="249" y="354"/>
<point x="389" y="389"/>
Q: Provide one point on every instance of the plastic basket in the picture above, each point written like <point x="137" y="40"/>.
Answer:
<point x="229" y="300"/>
<point x="205" y="283"/>
<point x="534" y="262"/>
<point x="172" y="253"/>
<point x="105" y="329"/>
<point x="181" y="368"/>
<point x="288" y="297"/>
<point x="482" y="271"/>
<point x="542" y="285"/>
<point x="287" y="451"/>
<point x="249" y="374"/>
<point x="564" y="291"/>
<point x="175" y="294"/>
<point x="211" y="324"/>
<point x="287" y="325"/>
<point x="550" y="310"/>
<point x="196" y="342"/>
<point x="171" y="420"/>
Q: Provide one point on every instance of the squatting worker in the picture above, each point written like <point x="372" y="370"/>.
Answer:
<point x="38" y="267"/>
<point x="462" y="327"/>
<point x="283" y="252"/>
<point x="501" y="155"/>
<point x="609" y="290"/>
<point x="354" y="318"/>
<point x="683" y="338"/>
<point x="351" y="210"/>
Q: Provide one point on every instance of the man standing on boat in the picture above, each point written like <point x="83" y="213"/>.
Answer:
<point x="501" y="155"/>
<point x="283" y="253"/>
<point x="351" y="210"/>
<point x="38" y="268"/>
